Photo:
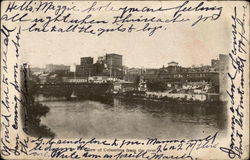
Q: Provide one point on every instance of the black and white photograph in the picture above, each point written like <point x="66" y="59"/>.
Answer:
<point x="124" y="80"/>
<point x="104" y="98"/>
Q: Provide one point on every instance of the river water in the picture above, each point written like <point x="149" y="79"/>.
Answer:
<point x="123" y="118"/>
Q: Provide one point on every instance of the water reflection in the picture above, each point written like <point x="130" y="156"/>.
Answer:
<point x="123" y="118"/>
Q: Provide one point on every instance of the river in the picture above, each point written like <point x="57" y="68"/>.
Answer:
<point x="120" y="118"/>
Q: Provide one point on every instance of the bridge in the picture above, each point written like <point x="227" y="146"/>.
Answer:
<point x="80" y="89"/>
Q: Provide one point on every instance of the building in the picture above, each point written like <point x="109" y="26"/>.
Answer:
<point x="137" y="71"/>
<point x="98" y="79"/>
<point x="150" y="73"/>
<point x="108" y="65"/>
<point x="173" y="67"/>
<point x="54" y="67"/>
<point x="123" y="86"/>
<point x="86" y="61"/>
<point x="174" y="76"/>
<point x="113" y="60"/>
<point x="114" y="65"/>
<point x="173" y="63"/>
<point x="86" y="67"/>
<point x="101" y="59"/>
<point x="99" y="69"/>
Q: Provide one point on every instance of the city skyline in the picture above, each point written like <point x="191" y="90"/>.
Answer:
<point x="72" y="66"/>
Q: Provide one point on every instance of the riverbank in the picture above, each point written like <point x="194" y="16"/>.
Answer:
<point x="108" y="99"/>
<point x="171" y="100"/>
<point x="32" y="113"/>
<point x="176" y="98"/>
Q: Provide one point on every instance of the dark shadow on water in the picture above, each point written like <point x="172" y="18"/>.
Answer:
<point x="193" y="113"/>
<point x="127" y="115"/>
<point x="203" y="113"/>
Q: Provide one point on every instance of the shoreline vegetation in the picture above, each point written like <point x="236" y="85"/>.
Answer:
<point x="32" y="113"/>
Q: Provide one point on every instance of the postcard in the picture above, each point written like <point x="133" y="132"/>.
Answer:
<point x="124" y="80"/>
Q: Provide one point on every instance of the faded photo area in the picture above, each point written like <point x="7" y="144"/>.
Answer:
<point x="154" y="82"/>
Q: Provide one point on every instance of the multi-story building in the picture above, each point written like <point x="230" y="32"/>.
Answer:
<point x="86" y="67"/>
<point x="108" y="65"/>
<point x="86" y="61"/>
<point x="114" y="65"/>
<point x="132" y="74"/>
<point x="137" y="71"/>
<point x="113" y="60"/>
<point x="175" y="76"/>
<point x="101" y="59"/>
<point x="99" y="69"/>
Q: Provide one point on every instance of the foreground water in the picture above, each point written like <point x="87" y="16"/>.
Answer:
<point x="119" y="118"/>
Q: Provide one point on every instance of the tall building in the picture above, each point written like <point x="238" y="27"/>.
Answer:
<point x="108" y="65"/>
<point x="99" y="69"/>
<point x="86" y="61"/>
<point x="86" y="67"/>
<point x="114" y="65"/>
<point x="114" y="60"/>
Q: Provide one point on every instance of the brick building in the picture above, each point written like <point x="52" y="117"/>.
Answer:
<point x="86" y="67"/>
<point x="114" y="65"/>
<point x="175" y="76"/>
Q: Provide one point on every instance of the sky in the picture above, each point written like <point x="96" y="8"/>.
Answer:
<point x="179" y="42"/>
